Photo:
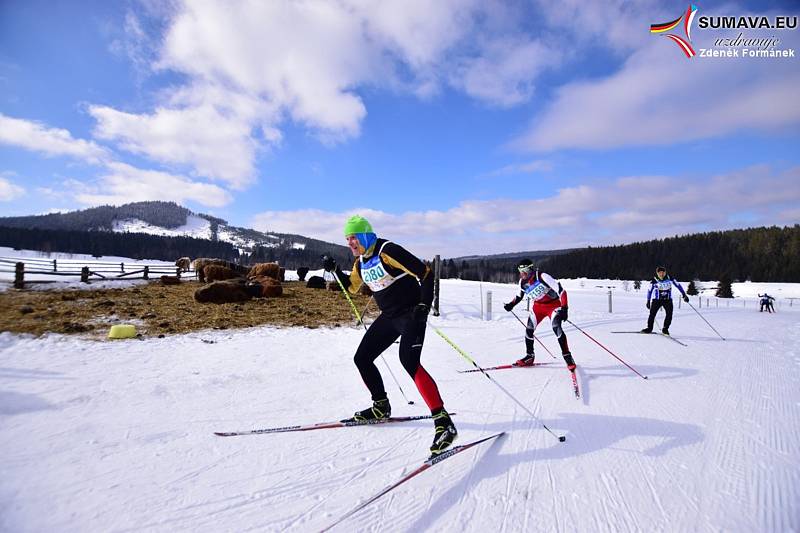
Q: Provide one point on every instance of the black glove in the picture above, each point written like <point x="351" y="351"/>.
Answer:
<point x="328" y="263"/>
<point x="686" y="299"/>
<point x="420" y="312"/>
<point x="647" y="304"/>
<point x="509" y="306"/>
<point x="564" y="312"/>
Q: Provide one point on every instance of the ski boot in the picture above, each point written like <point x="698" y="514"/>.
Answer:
<point x="525" y="361"/>
<point x="665" y="331"/>
<point x="445" y="432"/>
<point x="570" y="362"/>
<point x="380" y="410"/>
<point x="647" y="330"/>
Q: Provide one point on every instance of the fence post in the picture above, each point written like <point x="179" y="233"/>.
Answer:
<point x="122" y="267"/>
<point x="609" y="300"/>
<point x="19" y="276"/>
<point x="488" y="305"/>
<point x="679" y="302"/>
<point x="699" y="302"/>
<point x="437" y="272"/>
<point x="55" y="268"/>
<point x="146" y="272"/>
<point x="717" y="302"/>
<point x="85" y="274"/>
<point x="178" y="272"/>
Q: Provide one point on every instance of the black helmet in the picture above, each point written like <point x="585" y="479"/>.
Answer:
<point x="526" y="266"/>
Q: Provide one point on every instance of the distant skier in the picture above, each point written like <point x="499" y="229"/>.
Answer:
<point x="766" y="302"/>
<point x="660" y="295"/>
<point x="402" y="287"/>
<point x="549" y="299"/>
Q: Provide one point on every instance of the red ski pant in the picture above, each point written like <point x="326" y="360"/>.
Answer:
<point x="539" y="312"/>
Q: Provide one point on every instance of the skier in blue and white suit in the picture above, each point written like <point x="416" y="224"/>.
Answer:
<point x="660" y="295"/>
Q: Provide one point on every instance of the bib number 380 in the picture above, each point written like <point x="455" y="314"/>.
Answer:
<point x="374" y="274"/>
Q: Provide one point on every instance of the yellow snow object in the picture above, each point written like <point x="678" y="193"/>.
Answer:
<point x="122" y="331"/>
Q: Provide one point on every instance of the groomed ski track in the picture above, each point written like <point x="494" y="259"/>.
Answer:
<point x="117" y="436"/>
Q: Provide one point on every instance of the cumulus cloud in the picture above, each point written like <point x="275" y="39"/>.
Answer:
<point x="249" y="67"/>
<point x="37" y="137"/>
<point x="620" y="211"/>
<point x="214" y="144"/>
<point x="122" y="183"/>
<point x="8" y="190"/>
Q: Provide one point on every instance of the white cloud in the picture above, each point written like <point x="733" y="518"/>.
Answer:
<point x="215" y="144"/>
<point x="659" y="97"/>
<point x="249" y="67"/>
<point x="8" y="190"/>
<point x="537" y="165"/>
<point x="122" y="183"/>
<point x="625" y="210"/>
<point x="504" y="74"/>
<point x="37" y="137"/>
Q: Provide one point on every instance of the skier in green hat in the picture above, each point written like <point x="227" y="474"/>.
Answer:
<point x="402" y="286"/>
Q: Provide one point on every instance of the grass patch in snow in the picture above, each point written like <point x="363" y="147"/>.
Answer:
<point x="157" y="309"/>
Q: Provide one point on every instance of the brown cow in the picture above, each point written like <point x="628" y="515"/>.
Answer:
<point x="202" y="262"/>
<point x="218" y="273"/>
<point x="221" y="292"/>
<point x="183" y="263"/>
<point x="271" y="270"/>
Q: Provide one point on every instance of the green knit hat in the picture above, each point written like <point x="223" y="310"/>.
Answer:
<point x="357" y="224"/>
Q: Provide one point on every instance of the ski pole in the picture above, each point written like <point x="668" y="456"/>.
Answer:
<point x="561" y="438"/>
<point x="534" y="336"/>
<point x="364" y="311"/>
<point x="609" y="351"/>
<point x="706" y="321"/>
<point x="355" y="312"/>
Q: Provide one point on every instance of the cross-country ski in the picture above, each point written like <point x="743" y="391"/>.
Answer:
<point x="323" y="425"/>
<point x="431" y="461"/>
<point x="670" y="337"/>
<point x="506" y="367"/>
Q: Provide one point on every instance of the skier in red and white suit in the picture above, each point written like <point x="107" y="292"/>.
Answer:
<point x="549" y="299"/>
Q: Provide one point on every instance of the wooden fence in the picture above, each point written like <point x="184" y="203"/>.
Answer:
<point x="85" y="270"/>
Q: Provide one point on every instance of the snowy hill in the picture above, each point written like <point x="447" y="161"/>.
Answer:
<point x="118" y="436"/>
<point x="165" y="219"/>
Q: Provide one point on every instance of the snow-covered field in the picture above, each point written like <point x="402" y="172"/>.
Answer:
<point x="118" y="435"/>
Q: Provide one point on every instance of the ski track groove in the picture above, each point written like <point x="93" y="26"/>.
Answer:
<point x="359" y="474"/>
<point x="469" y="510"/>
<point x="533" y="428"/>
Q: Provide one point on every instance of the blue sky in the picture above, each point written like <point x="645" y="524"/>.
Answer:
<point x="458" y="127"/>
